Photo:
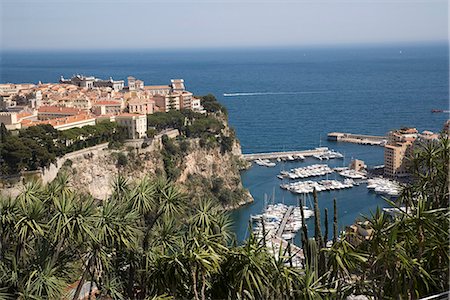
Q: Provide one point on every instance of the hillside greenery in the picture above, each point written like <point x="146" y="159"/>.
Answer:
<point x="149" y="241"/>
<point x="38" y="146"/>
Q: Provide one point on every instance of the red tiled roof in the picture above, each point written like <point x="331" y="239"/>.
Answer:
<point x="106" y="102"/>
<point x="135" y="101"/>
<point x="59" y="109"/>
<point x="58" y="121"/>
<point x="156" y="87"/>
<point x="129" y="115"/>
<point x="23" y="115"/>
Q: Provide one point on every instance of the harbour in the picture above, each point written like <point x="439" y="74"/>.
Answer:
<point x="278" y="225"/>
<point x="361" y="139"/>
<point x="286" y="154"/>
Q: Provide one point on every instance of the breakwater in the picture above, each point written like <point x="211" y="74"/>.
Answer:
<point x="357" y="138"/>
<point x="283" y="154"/>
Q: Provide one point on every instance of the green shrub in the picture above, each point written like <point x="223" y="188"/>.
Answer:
<point x="67" y="163"/>
<point x="122" y="159"/>
<point x="151" y="132"/>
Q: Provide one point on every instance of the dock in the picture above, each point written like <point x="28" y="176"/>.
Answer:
<point x="284" y="221"/>
<point x="276" y="155"/>
<point x="357" y="138"/>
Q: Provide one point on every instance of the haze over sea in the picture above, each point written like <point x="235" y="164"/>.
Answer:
<point x="283" y="99"/>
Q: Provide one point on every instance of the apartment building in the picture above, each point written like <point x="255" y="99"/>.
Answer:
<point x="135" y="124"/>
<point x="397" y="150"/>
<point x="154" y="90"/>
<point x="168" y="102"/>
<point x="141" y="106"/>
<point x="107" y="107"/>
<point x="134" y="84"/>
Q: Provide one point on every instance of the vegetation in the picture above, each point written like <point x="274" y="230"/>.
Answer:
<point x="210" y="103"/>
<point x="208" y="127"/>
<point x="172" y="158"/>
<point x="38" y="146"/>
<point x="148" y="240"/>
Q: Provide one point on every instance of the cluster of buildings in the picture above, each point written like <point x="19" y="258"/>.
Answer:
<point x="399" y="147"/>
<point x="86" y="100"/>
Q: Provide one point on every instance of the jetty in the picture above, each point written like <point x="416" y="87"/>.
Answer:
<point x="357" y="138"/>
<point x="283" y="154"/>
<point x="284" y="221"/>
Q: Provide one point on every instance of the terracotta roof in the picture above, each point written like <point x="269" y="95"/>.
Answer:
<point x="59" y="109"/>
<point x="106" y="102"/>
<point x="129" y="115"/>
<point x="156" y="87"/>
<point x="24" y="115"/>
<point x="59" y="121"/>
<point x="137" y="101"/>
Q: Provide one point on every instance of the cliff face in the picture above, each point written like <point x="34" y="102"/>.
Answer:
<point x="202" y="171"/>
<point x="215" y="174"/>
<point x="205" y="165"/>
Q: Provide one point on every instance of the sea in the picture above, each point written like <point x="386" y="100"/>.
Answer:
<point x="281" y="99"/>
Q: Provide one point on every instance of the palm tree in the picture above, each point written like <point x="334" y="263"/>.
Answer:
<point x="115" y="228"/>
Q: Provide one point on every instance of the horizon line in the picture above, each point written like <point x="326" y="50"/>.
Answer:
<point x="237" y="47"/>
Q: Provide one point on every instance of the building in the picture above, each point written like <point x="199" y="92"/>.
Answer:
<point x="427" y="135"/>
<point x="197" y="106"/>
<point x="134" y="84"/>
<point x="135" y="124"/>
<point x="357" y="165"/>
<point x="10" y="92"/>
<point x="185" y="100"/>
<point x="177" y="85"/>
<point x="91" y="82"/>
<point x="396" y="151"/>
<point x="64" y="123"/>
<point x="141" y="106"/>
<point x="356" y="233"/>
<point x="13" y="120"/>
<point x="447" y="127"/>
<point x="154" y="90"/>
<point x="107" y="107"/>
<point x="54" y="112"/>
<point x="167" y="102"/>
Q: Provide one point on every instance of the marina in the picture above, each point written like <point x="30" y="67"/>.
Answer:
<point x="352" y="174"/>
<point x="278" y="226"/>
<point x="279" y="220"/>
<point x="264" y="159"/>
<point x="308" y="171"/>
<point x="264" y="162"/>
<point x="384" y="186"/>
<point x="286" y="155"/>
<point x="307" y="187"/>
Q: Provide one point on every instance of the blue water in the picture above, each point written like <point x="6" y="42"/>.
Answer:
<point x="299" y="96"/>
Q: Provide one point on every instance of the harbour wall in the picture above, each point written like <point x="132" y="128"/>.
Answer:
<point x="275" y="155"/>
<point x="357" y="138"/>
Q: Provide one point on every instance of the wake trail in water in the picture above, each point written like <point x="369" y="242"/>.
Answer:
<point x="275" y="93"/>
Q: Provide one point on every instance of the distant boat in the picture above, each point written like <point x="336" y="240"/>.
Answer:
<point x="439" y="111"/>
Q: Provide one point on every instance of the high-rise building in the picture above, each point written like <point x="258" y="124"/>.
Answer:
<point x="396" y="151"/>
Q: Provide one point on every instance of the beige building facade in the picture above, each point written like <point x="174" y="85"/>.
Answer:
<point x="397" y="150"/>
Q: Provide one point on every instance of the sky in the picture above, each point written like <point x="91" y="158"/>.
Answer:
<point x="180" y="24"/>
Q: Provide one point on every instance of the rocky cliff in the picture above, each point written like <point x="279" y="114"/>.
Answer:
<point x="201" y="170"/>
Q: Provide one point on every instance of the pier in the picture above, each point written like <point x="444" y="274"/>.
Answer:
<point x="357" y="138"/>
<point x="284" y="221"/>
<point x="276" y="155"/>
